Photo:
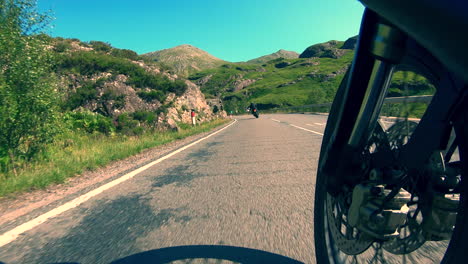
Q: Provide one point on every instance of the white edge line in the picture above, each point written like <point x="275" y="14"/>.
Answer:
<point x="275" y="120"/>
<point x="320" y="124"/>
<point x="11" y="235"/>
<point x="311" y="131"/>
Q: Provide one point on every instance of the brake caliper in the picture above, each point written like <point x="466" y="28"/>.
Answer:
<point x="440" y="221"/>
<point x="371" y="215"/>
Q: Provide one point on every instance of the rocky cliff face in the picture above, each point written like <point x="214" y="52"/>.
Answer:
<point x="112" y="86"/>
<point x="194" y="99"/>
<point x="116" y="97"/>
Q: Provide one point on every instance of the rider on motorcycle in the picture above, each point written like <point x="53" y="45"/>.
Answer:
<point x="252" y="107"/>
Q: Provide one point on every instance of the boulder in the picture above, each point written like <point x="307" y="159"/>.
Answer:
<point x="172" y="124"/>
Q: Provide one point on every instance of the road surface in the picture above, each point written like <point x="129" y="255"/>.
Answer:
<point x="250" y="185"/>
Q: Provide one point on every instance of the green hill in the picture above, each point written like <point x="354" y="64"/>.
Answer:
<point x="277" y="83"/>
<point x="185" y="59"/>
<point x="310" y="79"/>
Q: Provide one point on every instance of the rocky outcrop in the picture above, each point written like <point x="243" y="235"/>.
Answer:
<point x="333" y="53"/>
<point x="326" y="77"/>
<point x="285" y="54"/>
<point x="181" y="107"/>
<point x="323" y="50"/>
<point x="241" y="84"/>
<point x="350" y="43"/>
<point x="114" y="97"/>
<point x="204" y="80"/>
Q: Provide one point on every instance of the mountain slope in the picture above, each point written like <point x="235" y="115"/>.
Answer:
<point x="277" y="83"/>
<point x="330" y="49"/>
<point x="310" y="79"/>
<point x="185" y="59"/>
<point x="122" y="88"/>
<point x="285" y="54"/>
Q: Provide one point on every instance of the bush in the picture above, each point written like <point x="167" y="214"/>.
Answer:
<point x="100" y="46"/>
<point x="282" y="64"/>
<point x="151" y="95"/>
<point x="89" y="122"/>
<point x="28" y="98"/>
<point x="83" y="95"/>
<point x="124" y="53"/>
<point x="62" y="46"/>
<point x="128" y="126"/>
<point x="89" y="63"/>
<point x="144" y="116"/>
<point x="178" y="87"/>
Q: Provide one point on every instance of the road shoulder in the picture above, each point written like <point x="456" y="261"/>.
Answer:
<point x="22" y="207"/>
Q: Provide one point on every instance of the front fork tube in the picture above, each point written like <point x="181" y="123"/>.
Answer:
<point x="372" y="102"/>
<point x="380" y="47"/>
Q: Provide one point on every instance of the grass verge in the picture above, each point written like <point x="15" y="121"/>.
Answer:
<point x="79" y="152"/>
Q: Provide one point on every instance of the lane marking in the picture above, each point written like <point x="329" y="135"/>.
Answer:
<point x="316" y="124"/>
<point x="275" y="120"/>
<point x="11" y="235"/>
<point x="311" y="131"/>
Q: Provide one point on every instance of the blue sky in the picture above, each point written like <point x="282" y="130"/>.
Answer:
<point x="231" y="30"/>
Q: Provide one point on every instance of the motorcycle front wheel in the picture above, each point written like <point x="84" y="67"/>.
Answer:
<point x="336" y="241"/>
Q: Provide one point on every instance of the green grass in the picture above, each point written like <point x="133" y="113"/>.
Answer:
<point x="412" y="110"/>
<point x="79" y="152"/>
<point x="301" y="82"/>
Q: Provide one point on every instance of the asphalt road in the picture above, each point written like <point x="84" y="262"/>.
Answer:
<point x="251" y="185"/>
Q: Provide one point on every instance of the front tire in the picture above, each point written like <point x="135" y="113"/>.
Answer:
<point x="330" y="250"/>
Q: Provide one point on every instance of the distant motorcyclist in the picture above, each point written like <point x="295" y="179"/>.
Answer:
<point x="253" y="109"/>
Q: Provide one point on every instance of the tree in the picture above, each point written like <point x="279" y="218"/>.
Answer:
<point x="28" y="97"/>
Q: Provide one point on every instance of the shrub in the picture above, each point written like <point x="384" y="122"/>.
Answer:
<point x="118" y="100"/>
<point x="151" y="95"/>
<point x="28" y="98"/>
<point x="144" y="116"/>
<point x="89" y="63"/>
<point x="128" y="126"/>
<point x="124" y="53"/>
<point x="178" y="87"/>
<point x="89" y="122"/>
<point x="62" y="46"/>
<point x="86" y="93"/>
<point x="100" y="46"/>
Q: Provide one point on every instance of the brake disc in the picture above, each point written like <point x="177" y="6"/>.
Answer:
<point x="411" y="235"/>
<point x="411" y="238"/>
<point x="347" y="239"/>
